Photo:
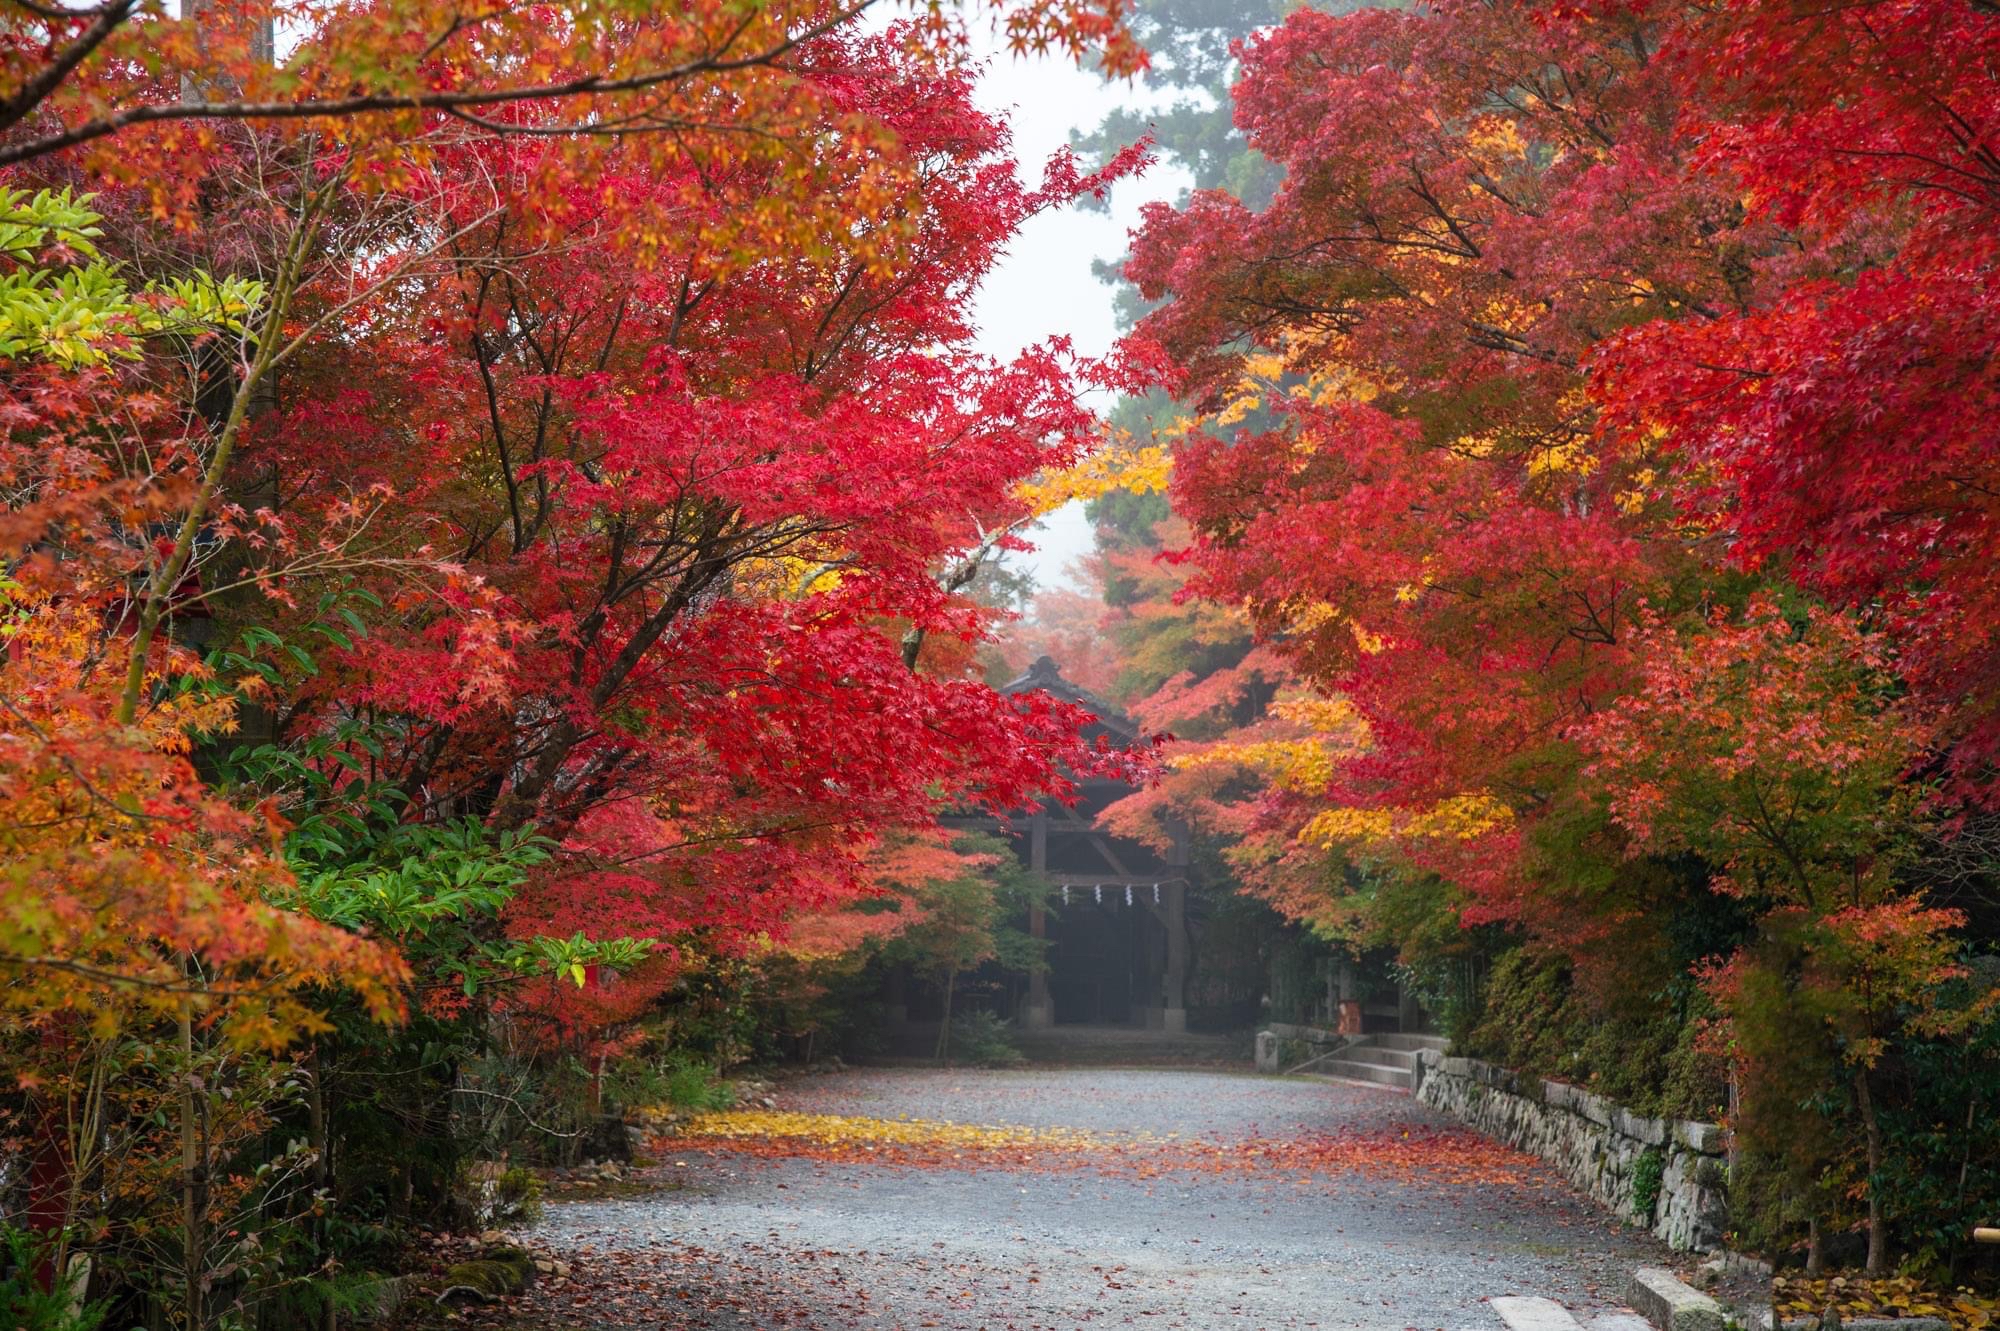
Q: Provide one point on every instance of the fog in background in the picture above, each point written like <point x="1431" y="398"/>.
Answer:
<point x="1044" y="287"/>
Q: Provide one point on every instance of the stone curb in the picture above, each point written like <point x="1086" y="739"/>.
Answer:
<point x="1671" y="1304"/>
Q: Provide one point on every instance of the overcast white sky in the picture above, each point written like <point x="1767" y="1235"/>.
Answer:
<point x="1044" y="286"/>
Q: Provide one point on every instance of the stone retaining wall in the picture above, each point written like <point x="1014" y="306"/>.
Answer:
<point x="1595" y="1144"/>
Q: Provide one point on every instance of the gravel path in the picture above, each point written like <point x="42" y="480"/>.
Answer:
<point x="738" y="1242"/>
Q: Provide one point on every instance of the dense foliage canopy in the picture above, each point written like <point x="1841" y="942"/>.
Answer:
<point x="491" y="497"/>
<point x="1593" y="440"/>
<point x="500" y="535"/>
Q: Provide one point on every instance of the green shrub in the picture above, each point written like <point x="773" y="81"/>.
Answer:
<point x="1646" y="1176"/>
<point x="495" y="1194"/>
<point x="517" y="1195"/>
<point x="983" y="1040"/>
<point x="675" y="1079"/>
<point x="24" y="1304"/>
<point x="1643" y="1056"/>
<point x="1941" y="1163"/>
<point x="697" y="1086"/>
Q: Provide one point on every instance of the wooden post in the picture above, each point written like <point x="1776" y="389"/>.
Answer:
<point x="1177" y="950"/>
<point x="1180" y="855"/>
<point x="896" y="999"/>
<point x="1039" y="1012"/>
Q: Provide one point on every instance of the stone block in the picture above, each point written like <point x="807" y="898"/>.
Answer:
<point x="1671" y="1304"/>
<point x="1267" y="1051"/>
<point x="1456" y="1067"/>
<point x="1652" y="1131"/>
<point x="1594" y="1107"/>
<point x="1703" y="1137"/>
<point x="1744" y="1264"/>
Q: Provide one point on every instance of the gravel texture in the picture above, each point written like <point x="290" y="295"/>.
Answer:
<point x="733" y="1242"/>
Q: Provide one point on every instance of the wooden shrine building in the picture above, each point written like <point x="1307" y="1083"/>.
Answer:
<point x="1114" y="912"/>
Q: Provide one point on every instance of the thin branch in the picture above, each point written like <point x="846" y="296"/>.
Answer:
<point x="588" y="85"/>
<point x="35" y="89"/>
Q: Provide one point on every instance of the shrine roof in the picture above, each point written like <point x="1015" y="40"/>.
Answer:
<point x="1045" y="675"/>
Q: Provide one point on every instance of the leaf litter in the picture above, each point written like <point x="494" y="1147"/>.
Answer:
<point x="1410" y="1154"/>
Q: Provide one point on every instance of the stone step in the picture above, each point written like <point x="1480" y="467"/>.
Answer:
<point x="1526" y="1314"/>
<point x="1410" y="1042"/>
<point x="1372" y="1053"/>
<point x="1375" y="1072"/>
<point x="1533" y="1314"/>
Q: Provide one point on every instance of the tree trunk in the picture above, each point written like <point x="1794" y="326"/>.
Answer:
<point x="322" y="1173"/>
<point x="191" y="1199"/>
<point x="944" y="1026"/>
<point x="1815" y="1247"/>
<point x="1878" y="1238"/>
